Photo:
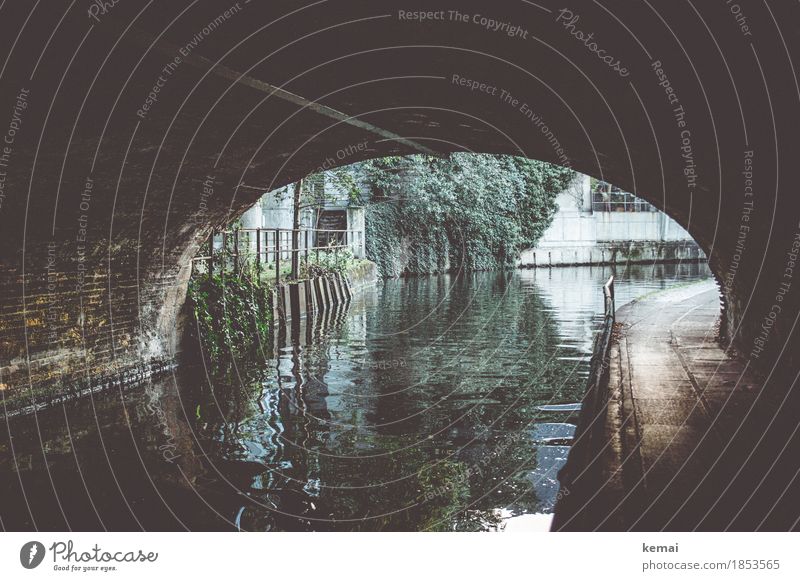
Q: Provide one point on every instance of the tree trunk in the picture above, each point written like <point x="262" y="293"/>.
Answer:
<point x="298" y="190"/>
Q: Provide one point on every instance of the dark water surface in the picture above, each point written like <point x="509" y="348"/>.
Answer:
<point x="414" y="408"/>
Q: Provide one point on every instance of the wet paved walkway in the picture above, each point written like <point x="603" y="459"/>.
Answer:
<point x="683" y="424"/>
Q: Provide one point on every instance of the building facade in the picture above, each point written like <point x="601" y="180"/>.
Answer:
<point x="597" y="223"/>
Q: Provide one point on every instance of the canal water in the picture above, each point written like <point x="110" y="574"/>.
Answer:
<point x="416" y="407"/>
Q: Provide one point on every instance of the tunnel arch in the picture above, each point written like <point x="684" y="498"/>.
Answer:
<point x="95" y="299"/>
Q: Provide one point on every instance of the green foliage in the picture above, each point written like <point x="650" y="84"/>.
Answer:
<point x="327" y="262"/>
<point x="342" y="180"/>
<point x="472" y="211"/>
<point x="345" y="181"/>
<point x="233" y="314"/>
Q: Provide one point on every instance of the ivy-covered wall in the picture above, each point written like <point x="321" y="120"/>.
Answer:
<point x="232" y="313"/>
<point x="465" y="211"/>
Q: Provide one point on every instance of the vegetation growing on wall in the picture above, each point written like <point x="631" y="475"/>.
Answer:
<point x="424" y="215"/>
<point x="473" y="211"/>
<point x="233" y="313"/>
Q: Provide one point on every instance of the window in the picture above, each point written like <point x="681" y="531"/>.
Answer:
<point x="609" y="198"/>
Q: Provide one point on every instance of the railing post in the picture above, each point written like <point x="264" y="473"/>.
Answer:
<point x="269" y="252"/>
<point x="258" y="252"/>
<point x="277" y="256"/>
<point x="295" y="254"/>
<point x="224" y="248"/>
<point x="305" y="246"/>
<point x="580" y="469"/>
<point x="211" y="255"/>
<point x="611" y="292"/>
<point x="236" y="251"/>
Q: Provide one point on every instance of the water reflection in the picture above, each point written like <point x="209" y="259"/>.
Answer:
<point x="418" y="407"/>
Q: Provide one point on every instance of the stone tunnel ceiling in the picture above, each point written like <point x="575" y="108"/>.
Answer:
<point x="114" y="115"/>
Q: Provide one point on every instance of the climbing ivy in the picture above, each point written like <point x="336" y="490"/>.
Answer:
<point x="424" y="214"/>
<point x="233" y="314"/>
<point x="428" y="214"/>
<point x="233" y="311"/>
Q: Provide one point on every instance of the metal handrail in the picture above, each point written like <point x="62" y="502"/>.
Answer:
<point x="628" y="203"/>
<point x="273" y="249"/>
<point x="588" y="433"/>
<point x="608" y="296"/>
<point x="277" y="250"/>
<point x="232" y="230"/>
